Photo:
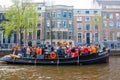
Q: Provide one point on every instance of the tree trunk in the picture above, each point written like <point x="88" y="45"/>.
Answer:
<point x="21" y="38"/>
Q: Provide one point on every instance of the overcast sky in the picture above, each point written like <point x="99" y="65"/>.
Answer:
<point x="81" y="4"/>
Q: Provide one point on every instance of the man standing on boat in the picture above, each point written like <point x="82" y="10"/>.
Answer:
<point x="16" y="49"/>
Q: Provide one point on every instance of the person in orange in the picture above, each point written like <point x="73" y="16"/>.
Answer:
<point x="16" y="49"/>
<point x="39" y="52"/>
<point x="96" y="46"/>
<point x="60" y="44"/>
<point x="93" y="50"/>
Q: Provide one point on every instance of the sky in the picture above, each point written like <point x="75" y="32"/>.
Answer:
<point x="79" y="4"/>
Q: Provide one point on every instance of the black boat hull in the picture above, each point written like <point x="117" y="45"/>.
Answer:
<point x="88" y="59"/>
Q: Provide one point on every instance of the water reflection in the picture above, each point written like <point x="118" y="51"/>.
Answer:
<point x="89" y="72"/>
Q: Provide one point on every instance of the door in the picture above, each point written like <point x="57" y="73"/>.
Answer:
<point x="88" y="38"/>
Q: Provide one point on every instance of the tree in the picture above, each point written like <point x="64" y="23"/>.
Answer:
<point x="96" y="23"/>
<point x="21" y="16"/>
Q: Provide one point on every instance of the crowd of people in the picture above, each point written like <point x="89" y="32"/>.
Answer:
<point x="63" y="51"/>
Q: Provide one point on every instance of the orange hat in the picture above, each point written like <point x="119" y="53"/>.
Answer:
<point x="60" y="43"/>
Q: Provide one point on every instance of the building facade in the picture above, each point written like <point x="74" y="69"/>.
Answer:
<point x="59" y="24"/>
<point x="63" y="23"/>
<point x="110" y="10"/>
<point x="87" y="25"/>
<point x="1" y="29"/>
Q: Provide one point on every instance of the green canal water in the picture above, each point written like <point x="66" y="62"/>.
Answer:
<point x="109" y="71"/>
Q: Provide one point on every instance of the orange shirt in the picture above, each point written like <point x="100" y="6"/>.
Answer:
<point x="16" y="47"/>
<point x="93" y="50"/>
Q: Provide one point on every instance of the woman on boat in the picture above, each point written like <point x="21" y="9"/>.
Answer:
<point x="28" y="52"/>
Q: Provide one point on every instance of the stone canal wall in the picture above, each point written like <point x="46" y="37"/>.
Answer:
<point x="112" y="52"/>
<point x="115" y="52"/>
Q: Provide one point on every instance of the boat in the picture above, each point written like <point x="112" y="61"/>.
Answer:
<point x="98" y="58"/>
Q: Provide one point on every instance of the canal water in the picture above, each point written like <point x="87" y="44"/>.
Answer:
<point x="109" y="71"/>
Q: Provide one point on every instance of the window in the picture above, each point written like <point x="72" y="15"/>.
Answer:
<point x="118" y="36"/>
<point x="38" y="25"/>
<point x="87" y="12"/>
<point x="96" y="19"/>
<point x="87" y="19"/>
<point x="39" y="8"/>
<point x="111" y="35"/>
<point x="104" y="15"/>
<point x="58" y="24"/>
<point x="111" y="24"/>
<point x="70" y="14"/>
<point x="59" y="35"/>
<point x="96" y="27"/>
<point x="54" y="23"/>
<point x="64" y="14"/>
<point x="105" y="23"/>
<point x="87" y="26"/>
<point x="117" y="16"/>
<point x="9" y="38"/>
<point x="22" y="37"/>
<point x="48" y="23"/>
<point x="79" y="38"/>
<point x="48" y="35"/>
<point x="0" y="38"/>
<point x="58" y="14"/>
<point x="53" y="35"/>
<point x="15" y="37"/>
<point x="64" y="35"/>
<point x="70" y="24"/>
<point x="54" y="14"/>
<point x="64" y="24"/>
<point x="70" y="35"/>
<point x="105" y="36"/>
<point x="39" y="15"/>
<point x="1" y="16"/>
<point x="95" y="12"/>
<point x="118" y="24"/>
<point x="48" y="15"/>
<point x="38" y="34"/>
<point x="12" y="37"/>
<point x="30" y="35"/>
<point x="79" y="18"/>
<point x="96" y="37"/>
<point x="110" y="15"/>
<point x="79" y="26"/>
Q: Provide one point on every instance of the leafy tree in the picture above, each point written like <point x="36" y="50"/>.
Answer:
<point x="21" y="16"/>
<point x="96" y="21"/>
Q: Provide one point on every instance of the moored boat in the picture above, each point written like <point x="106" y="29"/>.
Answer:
<point x="100" y="57"/>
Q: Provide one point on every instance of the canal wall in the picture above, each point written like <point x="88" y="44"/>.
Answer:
<point x="115" y="52"/>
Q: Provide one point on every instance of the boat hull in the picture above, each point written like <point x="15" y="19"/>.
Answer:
<point x="85" y="59"/>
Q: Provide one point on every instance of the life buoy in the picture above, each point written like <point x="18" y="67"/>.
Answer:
<point x="53" y="55"/>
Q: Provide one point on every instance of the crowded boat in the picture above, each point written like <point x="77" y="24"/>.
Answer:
<point x="62" y="51"/>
